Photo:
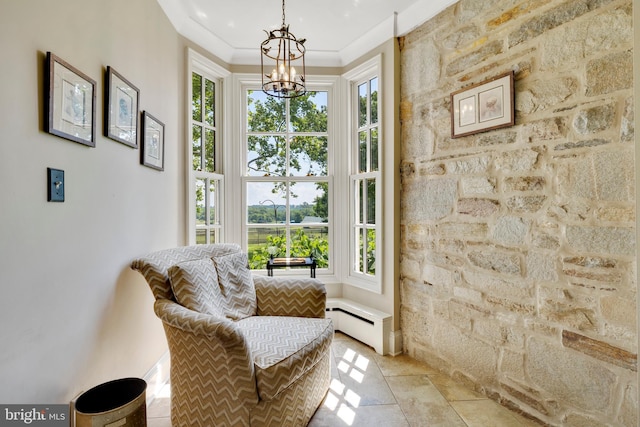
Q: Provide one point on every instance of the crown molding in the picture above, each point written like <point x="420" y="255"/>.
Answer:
<point x="396" y="25"/>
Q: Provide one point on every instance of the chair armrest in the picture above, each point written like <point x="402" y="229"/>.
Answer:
<point x="299" y="297"/>
<point x="208" y="348"/>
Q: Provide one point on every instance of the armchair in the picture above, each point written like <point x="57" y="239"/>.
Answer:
<point x="245" y="351"/>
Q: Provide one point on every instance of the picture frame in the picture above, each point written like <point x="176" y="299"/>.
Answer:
<point x="121" y="111"/>
<point x="484" y="106"/>
<point x="71" y="102"/>
<point x="152" y="143"/>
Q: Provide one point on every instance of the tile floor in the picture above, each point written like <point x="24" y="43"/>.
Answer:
<point x="384" y="391"/>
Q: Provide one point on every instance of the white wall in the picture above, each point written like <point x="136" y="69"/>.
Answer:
<point x="72" y="313"/>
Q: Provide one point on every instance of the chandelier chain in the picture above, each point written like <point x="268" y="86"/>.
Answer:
<point x="283" y="18"/>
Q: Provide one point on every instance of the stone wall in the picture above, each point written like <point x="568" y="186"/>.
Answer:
<point x="518" y="245"/>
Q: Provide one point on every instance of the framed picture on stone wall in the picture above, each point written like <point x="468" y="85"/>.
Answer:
<point x="484" y="106"/>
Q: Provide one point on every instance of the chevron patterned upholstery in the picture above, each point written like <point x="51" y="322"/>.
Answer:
<point x="236" y="285"/>
<point x="265" y="365"/>
<point x="191" y="283"/>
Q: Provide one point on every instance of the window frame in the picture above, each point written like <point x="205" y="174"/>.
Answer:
<point x="329" y="84"/>
<point x="353" y="79"/>
<point x="197" y="63"/>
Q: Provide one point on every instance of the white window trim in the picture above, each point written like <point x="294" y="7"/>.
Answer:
<point x="202" y="65"/>
<point x="360" y="74"/>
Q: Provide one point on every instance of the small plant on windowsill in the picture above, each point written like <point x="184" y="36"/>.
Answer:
<point x="272" y="251"/>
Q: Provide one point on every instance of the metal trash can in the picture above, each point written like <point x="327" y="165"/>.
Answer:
<point x="113" y="404"/>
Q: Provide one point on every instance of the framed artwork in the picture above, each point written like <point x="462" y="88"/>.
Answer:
<point x="71" y="102"/>
<point x="121" y="109"/>
<point x="152" y="153"/>
<point x="484" y="106"/>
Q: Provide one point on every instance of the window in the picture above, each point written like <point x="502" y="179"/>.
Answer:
<point x="286" y="177"/>
<point x="205" y="151"/>
<point x="365" y="179"/>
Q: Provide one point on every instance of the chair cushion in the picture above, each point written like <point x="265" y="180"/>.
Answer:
<point x="236" y="285"/>
<point x="284" y="348"/>
<point x="195" y="286"/>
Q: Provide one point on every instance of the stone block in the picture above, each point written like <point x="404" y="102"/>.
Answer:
<point x="610" y="73"/>
<point x="524" y="183"/>
<point x="432" y="168"/>
<point x="429" y="199"/>
<point x="511" y="230"/>
<point x="409" y="269"/>
<point x="420" y="67"/>
<point x="614" y="175"/>
<point x="570" y="314"/>
<point x="522" y="308"/>
<point x="489" y="285"/>
<point x="576" y="178"/>
<point x="512" y="364"/>
<point x="581" y="144"/>
<point x="618" y="214"/>
<point x="548" y="129"/>
<point x="541" y="266"/>
<point x="469" y="166"/>
<point x="529" y="398"/>
<point x="569" y="376"/>
<point x="544" y="94"/>
<point x="475" y="57"/>
<point x="621" y="311"/>
<point x="526" y="204"/>
<point x="462" y="230"/>
<point x="468" y="294"/>
<point x="437" y="276"/>
<point x="595" y="119"/>
<point x="510" y="15"/>
<point x="600" y="350"/>
<point x="602" y="240"/>
<point x="496" y="138"/>
<point x="544" y="240"/>
<point x="550" y="19"/>
<point x="518" y="160"/>
<point x="628" y="414"/>
<point x="478" y="207"/>
<point x="478" y="185"/>
<point x="473" y="357"/>
<point x="586" y="37"/>
<point x="500" y="262"/>
<point x="418" y="323"/>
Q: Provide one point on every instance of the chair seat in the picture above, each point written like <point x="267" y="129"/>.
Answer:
<point x="280" y="359"/>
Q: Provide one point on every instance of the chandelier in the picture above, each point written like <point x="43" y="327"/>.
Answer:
<point x="281" y="54"/>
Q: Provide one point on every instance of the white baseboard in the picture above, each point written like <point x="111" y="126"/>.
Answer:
<point x="395" y="342"/>
<point x="363" y="323"/>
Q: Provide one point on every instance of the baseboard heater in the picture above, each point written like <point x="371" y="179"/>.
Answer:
<point x="363" y="323"/>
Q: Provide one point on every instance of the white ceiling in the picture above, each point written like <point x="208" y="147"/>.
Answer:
<point x="337" y="31"/>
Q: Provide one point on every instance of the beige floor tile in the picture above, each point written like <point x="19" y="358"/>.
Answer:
<point x="367" y="385"/>
<point x="486" y="413"/>
<point x="343" y="344"/>
<point x="422" y="403"/>
<point x="452" y="390"/>
<point x="402" y="365"/>
<point x="364" y="416"/>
